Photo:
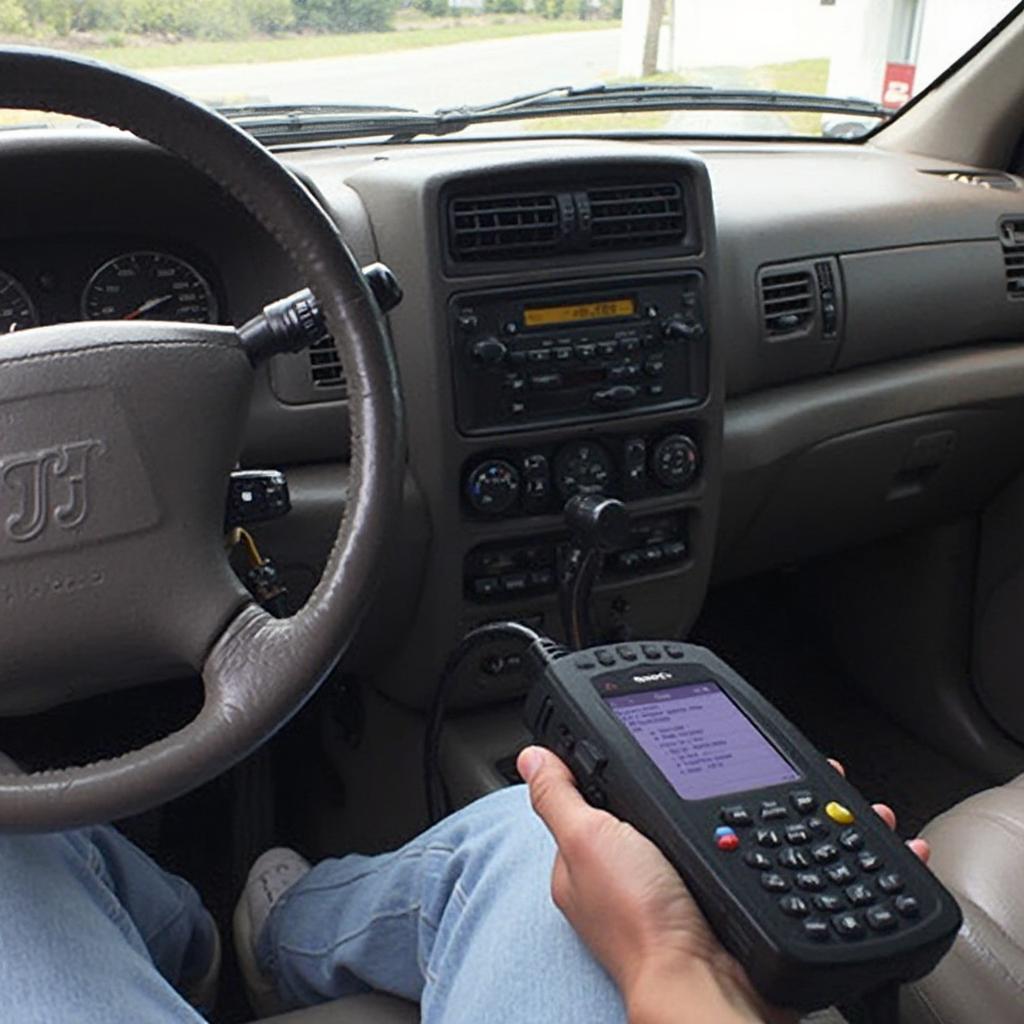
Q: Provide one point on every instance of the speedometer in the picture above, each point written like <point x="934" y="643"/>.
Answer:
<point x="16" y="310"/>
<point x="149" y="286"/>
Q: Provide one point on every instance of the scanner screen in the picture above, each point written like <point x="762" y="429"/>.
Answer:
<point x="702" y="742"/>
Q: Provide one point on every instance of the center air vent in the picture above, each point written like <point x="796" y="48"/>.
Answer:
<point x="787" y="301"/>
<point x="524" y="225"/>
<point x="504" y="227"/>
<point x="1011" y="234"/>
<point x="636" y="217"/>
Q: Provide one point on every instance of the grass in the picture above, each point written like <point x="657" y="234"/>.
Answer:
<point x="809" y="76"/>
<point x="307" y="47"/>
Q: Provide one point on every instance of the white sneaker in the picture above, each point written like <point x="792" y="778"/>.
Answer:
<point x="270" y="877"/>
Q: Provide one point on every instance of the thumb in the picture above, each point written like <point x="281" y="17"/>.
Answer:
<point x="553" y="791"/>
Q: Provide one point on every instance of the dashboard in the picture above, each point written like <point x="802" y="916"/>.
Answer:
<point x="768" y="352"/>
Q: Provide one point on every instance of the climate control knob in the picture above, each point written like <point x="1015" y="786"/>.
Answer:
<point x="489" y="350"/>
<point x="675" y="461"/>
<point x="493" y="487"/>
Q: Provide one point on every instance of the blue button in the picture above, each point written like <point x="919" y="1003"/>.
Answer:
<point x="723" y="830"/>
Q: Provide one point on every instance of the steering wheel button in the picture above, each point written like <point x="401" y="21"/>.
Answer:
<point x="838" y="813"/>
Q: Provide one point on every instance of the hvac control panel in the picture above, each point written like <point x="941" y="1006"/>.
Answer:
<point x="575" y="353"/>
<point x="541" y="478"/>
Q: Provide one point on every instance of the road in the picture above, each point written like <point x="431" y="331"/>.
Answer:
<point x="426" y="78"/>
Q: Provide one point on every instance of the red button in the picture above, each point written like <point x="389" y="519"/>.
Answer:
<point x="728" y="842"/>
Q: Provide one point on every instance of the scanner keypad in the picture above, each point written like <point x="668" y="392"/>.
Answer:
<point x="821" y="873"/>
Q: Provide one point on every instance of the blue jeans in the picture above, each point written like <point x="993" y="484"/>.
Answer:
<point x="460" y="919"/>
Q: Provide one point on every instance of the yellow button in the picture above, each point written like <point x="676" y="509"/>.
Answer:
<point x="838" y="813"/>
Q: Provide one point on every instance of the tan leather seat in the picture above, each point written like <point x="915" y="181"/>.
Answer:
<point x="369" y="1009"/>
<point x="978" y="852"/>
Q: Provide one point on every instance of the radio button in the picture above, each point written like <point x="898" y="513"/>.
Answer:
<point x="608" y="348"/>
<point x="538" y="355"/>
<point x="489" y="350"/>
<point x="468" y="322"/>
<point x="546" y="381"/>
<point x="654" y="367"/>
<point x="627" y="371"/>
<point x="563" y="354"/>
<point x="514" y="583"/>
<point x="511" y="327"/>
<point x="586" y="351"/>
<point x="487" y="586"/>
<point x="617" y="395"/>
<point x="517" y="356"/>
<point x="629" y="344"/>
<point x="654" y="390"/>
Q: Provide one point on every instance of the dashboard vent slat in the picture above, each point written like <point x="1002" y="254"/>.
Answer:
<point x="787" y="301"/>
<point x="490" y="227"/>
<point x="1011" y="235"/>
<point x="325" y="369"/>
<point x="636" y="216"/>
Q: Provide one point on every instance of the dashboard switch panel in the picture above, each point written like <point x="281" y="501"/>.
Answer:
<point x="574" y="353"/>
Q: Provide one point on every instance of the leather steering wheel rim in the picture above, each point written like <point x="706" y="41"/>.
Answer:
<point x="258" y="671"/>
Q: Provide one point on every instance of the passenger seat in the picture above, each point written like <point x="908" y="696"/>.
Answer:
<point x="978" y="853"/>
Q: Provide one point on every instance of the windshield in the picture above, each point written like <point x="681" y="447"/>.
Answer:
<point x="287" y="57"/>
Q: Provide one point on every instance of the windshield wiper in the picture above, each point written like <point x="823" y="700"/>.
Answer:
<point x="276" y="124"/>
<point x="625" y="96"/>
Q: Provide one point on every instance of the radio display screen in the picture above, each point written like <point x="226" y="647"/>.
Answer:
<point x="703" y="744"/>
<point x="608" y="309"/>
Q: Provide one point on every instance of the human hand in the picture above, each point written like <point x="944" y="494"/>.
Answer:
<point x="633" y="910"/>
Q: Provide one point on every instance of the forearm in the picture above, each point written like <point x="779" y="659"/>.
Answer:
<point x="691" y="992"/>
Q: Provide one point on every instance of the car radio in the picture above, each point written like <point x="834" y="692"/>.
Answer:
<point x="575" y="353"/>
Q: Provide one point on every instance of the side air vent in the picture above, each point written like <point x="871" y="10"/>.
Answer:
<point x="503" y="227"/>
<point x="1011" y="234"/>
<point x="636" y="216"/>
<point x="325" y="369"/>
<point x="980" y="179"/>
<point x="787" y="301"/>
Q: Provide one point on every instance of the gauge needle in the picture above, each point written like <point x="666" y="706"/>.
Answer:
<point x="149" y="304"/>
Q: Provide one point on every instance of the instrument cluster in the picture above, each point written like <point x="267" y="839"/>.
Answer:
<point x="61" y="280"/>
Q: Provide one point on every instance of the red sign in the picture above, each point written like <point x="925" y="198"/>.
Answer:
<point x="898" y="86"/>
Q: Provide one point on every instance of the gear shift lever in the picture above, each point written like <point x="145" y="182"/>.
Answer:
<point x="597" y="525"/>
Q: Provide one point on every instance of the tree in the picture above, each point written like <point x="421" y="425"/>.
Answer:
<point x="655" y="16"/>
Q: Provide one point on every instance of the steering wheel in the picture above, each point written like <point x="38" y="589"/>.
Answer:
<point x="116" y="441"/>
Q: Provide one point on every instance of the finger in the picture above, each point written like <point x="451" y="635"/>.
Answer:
<point x="553" y="791"/>
<point x="887" y="814"/>
<point x="921" y="848"/>
<point x="838" y="766"/>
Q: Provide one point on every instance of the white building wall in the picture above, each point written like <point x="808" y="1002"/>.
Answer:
<point x="949" y="28"/>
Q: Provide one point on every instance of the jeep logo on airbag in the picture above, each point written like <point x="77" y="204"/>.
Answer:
<point x="46" y="488"/>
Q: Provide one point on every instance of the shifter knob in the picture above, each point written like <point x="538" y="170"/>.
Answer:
<point x="598" y="522"/>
